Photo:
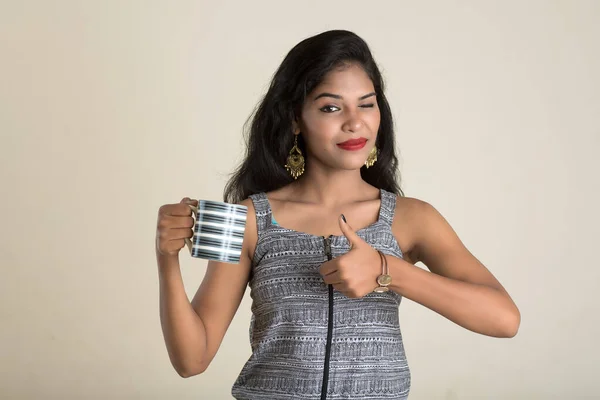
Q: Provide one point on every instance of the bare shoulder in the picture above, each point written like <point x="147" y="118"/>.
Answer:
<point x="436" y="244"/>
<point x="410" y="204"/>
<point x="410" y="215"/>
<point x="410" y="209"/>
<point x="432" y="239"/>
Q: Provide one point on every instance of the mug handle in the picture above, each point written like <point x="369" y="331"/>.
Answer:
<point x="188" y="241"/>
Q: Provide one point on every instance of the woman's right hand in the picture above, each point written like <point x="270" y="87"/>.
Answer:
<point x="174" y="225"/>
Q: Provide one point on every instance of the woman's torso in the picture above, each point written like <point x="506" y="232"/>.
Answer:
<point x="302" y="349"/>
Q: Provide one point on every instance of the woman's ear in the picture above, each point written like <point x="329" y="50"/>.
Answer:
<point x="295" y="126"/>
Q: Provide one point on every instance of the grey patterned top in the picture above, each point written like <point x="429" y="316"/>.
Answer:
<point x="302" y="350"/>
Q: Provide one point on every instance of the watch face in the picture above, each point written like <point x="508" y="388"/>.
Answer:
<point x="384" y="280"/>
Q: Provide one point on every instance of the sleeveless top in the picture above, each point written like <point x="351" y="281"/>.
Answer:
<point x="308" y="340"/>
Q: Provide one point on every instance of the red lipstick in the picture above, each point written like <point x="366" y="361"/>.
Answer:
<point x="353" y="144"/>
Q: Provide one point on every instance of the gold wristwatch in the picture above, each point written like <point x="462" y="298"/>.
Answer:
<point x="383" y="280"/>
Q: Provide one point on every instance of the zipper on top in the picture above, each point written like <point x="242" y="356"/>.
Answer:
<point x="327" y="241"/>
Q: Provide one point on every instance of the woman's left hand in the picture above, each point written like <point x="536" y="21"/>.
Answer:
<point x="355" y="273"/>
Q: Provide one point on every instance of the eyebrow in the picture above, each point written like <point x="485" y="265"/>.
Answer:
<point x="337" y="96"/>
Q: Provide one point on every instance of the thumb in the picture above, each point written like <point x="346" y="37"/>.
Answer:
<point x="187" y="200"/>
<point x="347" y="230"/>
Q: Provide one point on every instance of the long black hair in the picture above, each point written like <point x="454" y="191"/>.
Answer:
<point x="270" y="137"/>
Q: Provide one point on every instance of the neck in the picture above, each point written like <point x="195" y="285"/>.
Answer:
<point x="330" y="187"/>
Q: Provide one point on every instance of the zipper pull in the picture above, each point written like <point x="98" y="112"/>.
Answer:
<point x="327" y="246"/>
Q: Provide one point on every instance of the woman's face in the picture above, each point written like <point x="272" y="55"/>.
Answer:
<point x="343" y="107"/>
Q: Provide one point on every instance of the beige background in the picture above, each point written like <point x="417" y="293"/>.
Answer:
<point x="109" y="109"/>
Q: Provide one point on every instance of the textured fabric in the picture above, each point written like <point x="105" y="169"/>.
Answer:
<point x="290" y="312"/>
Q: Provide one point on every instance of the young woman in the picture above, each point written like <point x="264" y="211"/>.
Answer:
<point x="329" y="247"/>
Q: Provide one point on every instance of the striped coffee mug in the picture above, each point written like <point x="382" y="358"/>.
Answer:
<point x="218" y="231"/>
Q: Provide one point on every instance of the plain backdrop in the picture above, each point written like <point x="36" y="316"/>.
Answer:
<point x="109" y="109"/>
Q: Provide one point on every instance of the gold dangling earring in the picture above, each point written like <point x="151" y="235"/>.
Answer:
<point x="295" y="162"/>
<point x="372" y="157"/>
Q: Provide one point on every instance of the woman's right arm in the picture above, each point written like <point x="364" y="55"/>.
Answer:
<point x="193" y="331"/>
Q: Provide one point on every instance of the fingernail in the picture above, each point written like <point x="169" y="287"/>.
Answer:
<point x="344" y="218"/>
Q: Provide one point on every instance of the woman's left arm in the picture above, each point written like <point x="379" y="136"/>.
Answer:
<point x="459" y="286"/>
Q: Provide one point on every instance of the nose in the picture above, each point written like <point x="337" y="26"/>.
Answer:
<point x="352" y="123"/>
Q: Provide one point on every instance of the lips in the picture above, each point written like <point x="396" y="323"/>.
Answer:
<point x="353" y="144"/>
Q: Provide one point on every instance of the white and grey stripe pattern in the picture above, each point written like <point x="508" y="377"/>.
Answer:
<point x="219" y="231"/>
<point x="288" y="330"/>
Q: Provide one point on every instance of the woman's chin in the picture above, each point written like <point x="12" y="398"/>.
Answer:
<point x="352" y="165"/>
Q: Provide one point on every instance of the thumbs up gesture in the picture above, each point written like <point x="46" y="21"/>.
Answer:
<point x="355" y="273"/>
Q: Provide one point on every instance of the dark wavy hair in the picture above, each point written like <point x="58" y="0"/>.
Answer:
<point x="270" y="137"/>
